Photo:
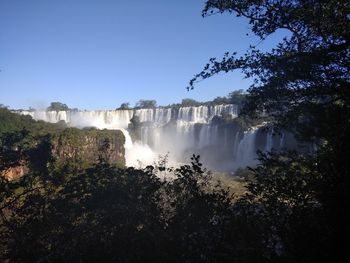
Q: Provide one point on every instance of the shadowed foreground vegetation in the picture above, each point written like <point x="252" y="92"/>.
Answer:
<point x="111" y="214"/>
<point x="65" y="212"/>
<point x="296" y="208"/>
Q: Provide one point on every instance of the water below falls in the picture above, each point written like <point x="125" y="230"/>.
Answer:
<point x="180" y="132"/>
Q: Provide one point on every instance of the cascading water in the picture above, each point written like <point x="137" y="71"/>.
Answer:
<point x="245" y="149"/>
<point x="179" y="131"/>
<point x="269" y="141"/>
<point x="109" y="119"/>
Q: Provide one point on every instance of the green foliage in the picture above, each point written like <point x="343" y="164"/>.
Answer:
<point x="57" y="106"/>
<point x="85" y="147"/>
<point x="237" y="97"/>
<point x="25" y="142"/>
<point x="245" y="122"/>
<point x="303" y="82"/>
<point x="13" y="146"/>
<point x="295" y="207"/>
<point x="110" y="215"/>
<point x="10" y="121"/>
<point x="146" y="104"/>
<point x="285" y="178"/>
<point x="189" y="103"/>
<point x="124" y="106"/>
<point x="302" y="85"/>
<point x="244" y="173"/>
<point x="221" y="100"/>
<point x="283" y="199"/>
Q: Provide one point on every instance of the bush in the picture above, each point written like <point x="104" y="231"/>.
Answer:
<point x="57" y="106"/>
<point x="124" y="106"/>
<point x="146" y="104"/>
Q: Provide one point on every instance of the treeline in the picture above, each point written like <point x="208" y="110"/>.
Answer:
<point x="11" y="122"/>
<point x="236" y="97"/>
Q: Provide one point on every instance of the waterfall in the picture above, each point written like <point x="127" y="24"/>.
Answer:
<point x="145" y="115"/>
<point x="235" y="145"/>
<point x="282" y="141"/>
<point x="181" y="131"/>
<point x="269" y="141"/>
<point x="246" y="148"/>
<point x="116" y="119"/>
<point x="137" y="155"/>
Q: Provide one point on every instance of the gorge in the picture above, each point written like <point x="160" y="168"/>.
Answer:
<point x="211" y="131"/>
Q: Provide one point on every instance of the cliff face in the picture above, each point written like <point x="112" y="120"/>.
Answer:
<point x="13" y="173"/>
<point x="79" y="147"/>
<point x="86" y="147"/>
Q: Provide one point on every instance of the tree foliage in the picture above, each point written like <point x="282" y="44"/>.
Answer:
<point x="302" y="84"/>
<point x="110" y="214"/>
<point x="295" y="208"/>
<point x="305" y="79"/>
<point x="146" y="104"/>
<point x="236" y="97"/>
<point x="189" y="103"/>
<point x="11" y="122"/>
<point x="124" y="106"/>
<point x="57" y="106"/>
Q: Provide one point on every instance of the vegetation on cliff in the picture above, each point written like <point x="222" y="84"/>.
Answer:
<point x="130" y="215"/>
<point x="88" y="146"/>
<point x="295" y="206"/>
<point x="26" y="143"/>
<point x="59" y="106"/>
<point x="10" y="122"/>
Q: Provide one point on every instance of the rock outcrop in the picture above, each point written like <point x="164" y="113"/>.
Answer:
<point x="16" y="172"/>
<point x="86" y="147"/>
<point x="81" y="148"/>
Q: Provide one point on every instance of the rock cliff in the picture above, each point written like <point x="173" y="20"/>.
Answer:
<point x="87" y="147"/>
<point x="79" y="147"/>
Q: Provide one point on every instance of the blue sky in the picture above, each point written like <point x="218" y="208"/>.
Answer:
<point x="96" y="54"/>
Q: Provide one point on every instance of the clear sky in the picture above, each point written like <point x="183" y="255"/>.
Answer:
<point x="96" y="54"/>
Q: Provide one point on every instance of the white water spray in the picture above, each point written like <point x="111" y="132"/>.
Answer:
<point x="180" y="132"/>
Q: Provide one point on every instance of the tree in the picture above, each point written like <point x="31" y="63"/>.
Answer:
<point x="146" y="104"/>
<point x="221" y="100"/>
<point x="303" y="84"/>
<point x="57" y="106"/>
<point x="108" y="214"/>
<point x="124" y="106"/>
<point x="306" y="77"/>
<point x="236" y="97"/>
<point x="282" y="199"/>
<point x="189" y="102"/>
